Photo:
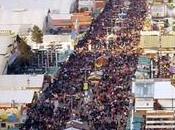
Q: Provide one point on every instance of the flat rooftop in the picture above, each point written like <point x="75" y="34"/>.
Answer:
<point x="155" y="88"/>
<point x="62" y="5"/>
<point x="18" y="96"/>
<point x="21" y="82"/>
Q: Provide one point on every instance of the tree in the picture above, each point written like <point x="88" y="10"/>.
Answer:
<point x="37" y="34"/>
<point x="25" y="51"/>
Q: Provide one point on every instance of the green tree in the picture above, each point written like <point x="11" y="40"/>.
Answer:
<point x="37" y="34"/>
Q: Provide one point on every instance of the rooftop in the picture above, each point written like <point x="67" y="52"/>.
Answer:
<point x="61" y="16"/>
<point x="38" y="4"/>
<point x="18" y="82"/>
<point x="157" y="89"/>
<point x="18" y="96"/>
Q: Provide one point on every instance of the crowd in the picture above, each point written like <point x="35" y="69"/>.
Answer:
<point x="164" y="63"/>
<point x="105" y="103"/>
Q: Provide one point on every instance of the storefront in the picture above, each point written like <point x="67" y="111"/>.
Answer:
<point x="13" y="108"/>
<point x="143" y="68"/>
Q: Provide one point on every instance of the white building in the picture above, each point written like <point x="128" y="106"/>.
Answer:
<point x="6" y="40"/>
<point x="59" y="45"/>
<point x="20" y="16"/>
<point x="62" y="6"/>
<point x="146" y="91"/>
<point x="21" y="20"/>
<point x="21" y="82"/>
<point x="18" y="96"/>
<point x="16" y="91"/>
<point x="90" y="4"/>
<point x="62" y="42"/>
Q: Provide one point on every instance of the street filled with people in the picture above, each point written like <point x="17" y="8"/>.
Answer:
<point x="94" y="85"/>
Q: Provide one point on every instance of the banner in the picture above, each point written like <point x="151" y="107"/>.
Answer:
<point x="158" y="10"/>
<point x="85" y="88"/>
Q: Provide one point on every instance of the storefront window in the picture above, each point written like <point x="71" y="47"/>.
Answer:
<point x="144" y="89"/>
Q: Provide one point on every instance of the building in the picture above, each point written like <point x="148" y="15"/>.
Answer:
<point x="22" y="20"/>
<point x="152" y="42"/>
<point x="16" y="92"/>
<point x="8" y="97"/>
<point x="154" y="103"/>
<point x="56" y="21"/>
<point x="20" y="16"/>
<point x="6" y="45"/>
<point x="12" y="104"/>
<point x="39" y="4"/>
<point x="159" y="119"/>
<point x="82" y="20"/>
<point x="91" y="5"/>
<point x="21" y="82"/>
<point x="146" y="91"/>
<point x="72" y="21"/>
<point x="60" y="43"/>
<point x="53" y="50"/>
<point x="86" y="4"/>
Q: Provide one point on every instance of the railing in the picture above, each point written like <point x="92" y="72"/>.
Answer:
<point x="160" y="119"/>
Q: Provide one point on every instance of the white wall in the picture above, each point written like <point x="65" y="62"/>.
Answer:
<point x="167" y="103"/>
<point x="162" y="90"/>
<point x="144" y="103"/>
<point x="159" y="10"/>
<point x="18" y="96"/>
<point x="64" y="40"/>
<point x="5" y="41"/>
<point x="18" y="82"/>
<point x="90" y="4"/>
<point x="21" y="21"/>
<point x="16" y="14"/>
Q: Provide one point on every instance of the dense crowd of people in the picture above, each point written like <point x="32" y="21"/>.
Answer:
<point x="163" y="66"/>
<point x="101" y="103"/>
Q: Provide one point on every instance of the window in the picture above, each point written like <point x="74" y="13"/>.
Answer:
<point x="144" y="89"/>
<point x="3" y="125"/>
